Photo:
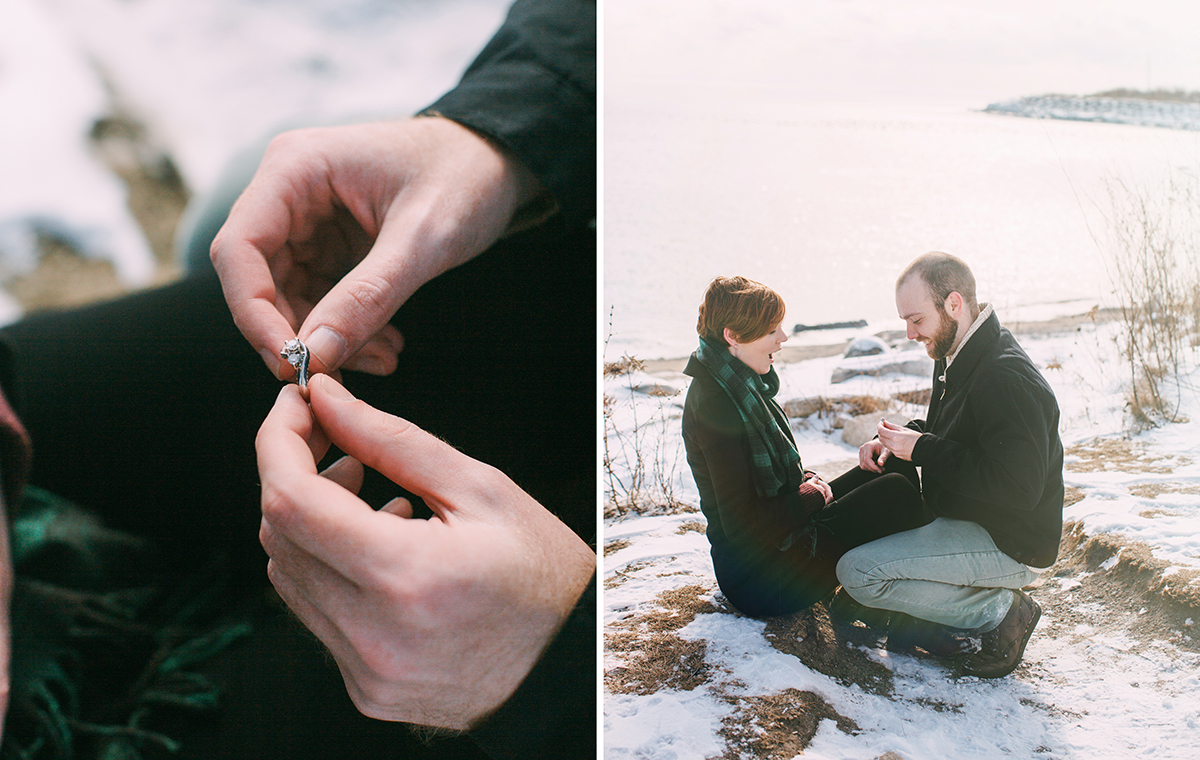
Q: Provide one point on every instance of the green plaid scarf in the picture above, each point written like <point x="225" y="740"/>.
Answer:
<point x="102" y="668"/>
<point x="776" y="463"/>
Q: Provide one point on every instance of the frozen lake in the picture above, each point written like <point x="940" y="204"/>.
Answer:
<point x="828" y="202"/>
<point x="821" y="146"/>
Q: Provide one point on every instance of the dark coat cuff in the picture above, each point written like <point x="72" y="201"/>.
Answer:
<point x="533" y="91"/>
<point x="553" y="712"/>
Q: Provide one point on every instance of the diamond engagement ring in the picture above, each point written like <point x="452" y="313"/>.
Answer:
<point x="296" y="354"/>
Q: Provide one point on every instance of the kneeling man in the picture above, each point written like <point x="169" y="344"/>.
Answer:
<point x="992" y="464"/>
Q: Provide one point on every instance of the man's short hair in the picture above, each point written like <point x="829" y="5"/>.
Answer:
<point x="749" y="309"/>
<point x="943" y="274"/>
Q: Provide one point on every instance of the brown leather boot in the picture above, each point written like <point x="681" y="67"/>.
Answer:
<point x="845" y="610"/>
<point x="1003" y="646"/>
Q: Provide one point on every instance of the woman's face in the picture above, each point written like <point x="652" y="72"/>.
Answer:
<point x="758" y="355"/>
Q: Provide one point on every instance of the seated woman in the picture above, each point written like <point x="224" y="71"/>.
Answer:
<point x="777" y="531"/>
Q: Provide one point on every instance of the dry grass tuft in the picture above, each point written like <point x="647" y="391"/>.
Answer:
<point x="1119" y="455"/>
<point x="826" y="406"/>
<point x="655" y="656"/>
<point x="612" y="547"/>
<point x="811" y="637"/>
<point x="662" y="661"/>
<point x="1153" y="490"/>
<point x="777" y="726"/>
<point x="918" y="398"/>
<point x="623" y="366"/>
<point x="1072" y="496"/>
<point x="623" y="574"/>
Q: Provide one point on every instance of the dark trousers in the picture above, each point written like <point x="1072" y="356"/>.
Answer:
<point x="144" y="411"/>
<point x="866" y="506"/>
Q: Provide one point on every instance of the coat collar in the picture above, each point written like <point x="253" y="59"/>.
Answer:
<point x="984" y="313"/>
<point x="974" y="348"/>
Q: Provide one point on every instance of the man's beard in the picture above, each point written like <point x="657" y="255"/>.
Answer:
<point x="943" y="340"/>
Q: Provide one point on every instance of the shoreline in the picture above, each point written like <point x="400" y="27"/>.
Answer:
<point x="790" y="354"/>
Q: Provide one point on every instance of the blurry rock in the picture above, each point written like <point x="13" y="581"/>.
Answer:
<point x="904" y="362"/>
<point x="866" y="346"/>
<point x="831" y="326"/>
<point x="842" y="406"/>
<point x="652" y="386"/>
<point x="156" y="192"/>
<point x="803" y="407"/>
<point x="859" y="430"/>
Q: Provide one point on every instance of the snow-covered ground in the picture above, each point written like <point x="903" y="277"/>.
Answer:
<point x="1111" y="672"/>
<point x="207" y="79"/>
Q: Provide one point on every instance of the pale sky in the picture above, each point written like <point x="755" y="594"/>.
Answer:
<point x="881" y="50"/>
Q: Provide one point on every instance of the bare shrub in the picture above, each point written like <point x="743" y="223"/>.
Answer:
<point x="641" y="460"/>
<point x="1153" y="240"/>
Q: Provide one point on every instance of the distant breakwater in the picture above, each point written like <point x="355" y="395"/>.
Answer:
<point x="1144" y="112"/>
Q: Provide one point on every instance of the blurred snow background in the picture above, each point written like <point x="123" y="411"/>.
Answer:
<point x="96" y="93"/>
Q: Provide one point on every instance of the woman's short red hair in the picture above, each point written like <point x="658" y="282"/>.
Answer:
<point x="749" y="309"/>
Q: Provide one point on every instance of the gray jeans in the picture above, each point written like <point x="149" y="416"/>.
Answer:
<point x="948" y="571"/>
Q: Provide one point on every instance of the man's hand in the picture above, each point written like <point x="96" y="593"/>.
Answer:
<point x="898" y="440"/>
<point x="430" y="621"/>
<point x="872" y="455"/>
<point x="340" y="226"/>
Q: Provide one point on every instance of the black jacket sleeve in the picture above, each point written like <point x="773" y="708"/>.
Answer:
<point x="533" y="90"/>
<point x="553" y="712"/>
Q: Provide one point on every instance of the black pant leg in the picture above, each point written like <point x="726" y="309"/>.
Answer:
<point x="868" y="506"/>
<point x="144" y="410"/>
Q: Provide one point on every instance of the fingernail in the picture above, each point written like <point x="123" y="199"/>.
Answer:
<point x="327" y="346"/>
<point x="333" y="388"/>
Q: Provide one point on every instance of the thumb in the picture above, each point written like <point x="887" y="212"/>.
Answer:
<point x="362" y="302"/>
<point x="445" y="478"/>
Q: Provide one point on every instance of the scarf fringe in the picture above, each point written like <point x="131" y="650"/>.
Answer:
<point x="95" y="668"/>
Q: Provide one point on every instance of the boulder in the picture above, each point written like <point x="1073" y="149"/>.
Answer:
<point x="866" y="346"/>
<point x="803" y="407"/>
<point x="904" y="362"/>
<point x="858" y="430"/>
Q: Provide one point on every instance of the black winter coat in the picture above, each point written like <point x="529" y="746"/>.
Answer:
<point x="760" y="551"/>
<point x="990" y="450"/>
<point x="532" y="90"/>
